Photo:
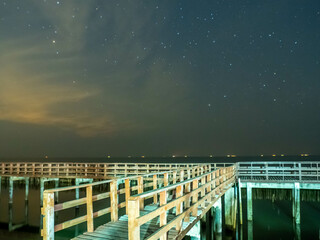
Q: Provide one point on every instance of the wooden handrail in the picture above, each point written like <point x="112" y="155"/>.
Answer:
<point x="207" y="190"/>
<point x="157" y="178"/>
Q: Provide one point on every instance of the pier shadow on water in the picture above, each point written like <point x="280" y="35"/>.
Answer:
<point x="272" y="216"/>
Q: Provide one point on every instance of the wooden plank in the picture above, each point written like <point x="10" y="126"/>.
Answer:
<point x="114" y="201"/>
<point x="89" y="209"/>
<point x="133" y="227"/>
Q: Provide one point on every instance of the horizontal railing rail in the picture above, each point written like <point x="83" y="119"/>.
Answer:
<point x="210" y="186"/>
<point x="114" y="188"/>
<point x="279" y="171"/>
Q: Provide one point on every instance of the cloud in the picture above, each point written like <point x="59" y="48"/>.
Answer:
<point x="42" y="82"/>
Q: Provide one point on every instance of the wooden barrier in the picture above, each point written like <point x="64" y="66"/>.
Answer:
<point x="87" y="170"/>
<point x="279" y="171"/>
<point x="210" y="186"/>
<point x="146" y="181"/>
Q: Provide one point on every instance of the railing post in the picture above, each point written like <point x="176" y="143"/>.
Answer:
<point x="179" y="207"/>
<point x="127" y="192"/>
<point x="89" y="209"/>
<point x="181" y="175"/>
<point x="174" y="177"/>
<point x="165" y="179"/>
<point x="195" y="185"/>
<point x="163" y="215"/>
<point x="155" y="186"/>
<point x="134" y="212"/>
<point x="114" y="201"/>
<point x="140" y="190"/>
<point x="48" y="216"/>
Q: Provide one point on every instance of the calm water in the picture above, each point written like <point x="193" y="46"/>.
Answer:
<point x="271" y="220"/>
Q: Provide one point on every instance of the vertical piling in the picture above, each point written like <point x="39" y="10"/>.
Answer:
<point x="56" y="194"/>
<point x="249" y="202"/>
<point x="250" y="230"/>
<point x="26" y="200"/>
<point x="10" y="203"/>
<point x="41" y="200"/>
<point x="240" y="201"/>
<point x="229" y="207"/>
<point x="296" y="203"/>
<point x="218" y="217"/>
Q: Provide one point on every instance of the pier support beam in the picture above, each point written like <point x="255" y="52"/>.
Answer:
<point x="11" y="226"/>
<point x="240" y="201"/>
<point x="296" y="203"/>
<point x="217" y="225"/>
<point x="249" y="202"/>
<point x="229" y="204"/>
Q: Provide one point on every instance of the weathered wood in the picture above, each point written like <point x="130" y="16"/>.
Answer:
<point x="155" y="186"/>
<point x="133" y="227"/>
<point x="179" y="207"/>
<point x="140" y="190"/>
<point x="114" y="201"/>
<point x="48" y="220"/>
<point x="90" y="226"/>
<point x="163" y="215"/>
<point x="195" y="184"/>
<point x="127" y="192"/>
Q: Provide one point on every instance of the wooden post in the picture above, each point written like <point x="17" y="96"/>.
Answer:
<point x="127" y="193"/>
<point x="187" y="202"/>
<point x="134" y="213"/>
<point x="240" y="201"/>
<point x="174" y="177"/>
<point x="114" y="201"/>
<point x="140" y="190"/>
<point x="163" y="215"/>
<point x="296" y="204"/>
<point x="48" y="212"/>
<point x="10" y="203"/>
<point x="26" y="200"/>
<point x="249" y="201"/>
<point x="181" y="175"/>
<point x="179" y="207"/>
<point x="155" y="186"/>
<point x="56" y="195"/>
<point x="165" y="179"/>
<point x="195" y="185"/>
<point x="218" y="216"/>
<point x="89" y="209"/>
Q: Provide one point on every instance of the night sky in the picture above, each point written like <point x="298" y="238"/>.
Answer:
<point x="82" y="78"/>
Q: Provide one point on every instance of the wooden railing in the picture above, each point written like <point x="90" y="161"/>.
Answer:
<point x="85" y="170"/>
<point x="210" y="186"/>
<point x="114" y="188"/>
<point x="279" y="171"/>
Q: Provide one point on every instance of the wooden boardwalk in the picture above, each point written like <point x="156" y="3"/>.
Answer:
<point x="163" y="205"/>
<point x="119" y="229"/>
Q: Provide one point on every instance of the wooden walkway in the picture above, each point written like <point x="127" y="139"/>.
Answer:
<point x="163" y="205"/>
<point x="119" y="229"/>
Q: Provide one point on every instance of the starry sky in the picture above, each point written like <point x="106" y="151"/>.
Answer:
<point x="157" y="78"/>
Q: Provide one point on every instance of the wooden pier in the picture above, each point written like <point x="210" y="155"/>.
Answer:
<point x="181" y="196"/>
<point x="154" y="201"/>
